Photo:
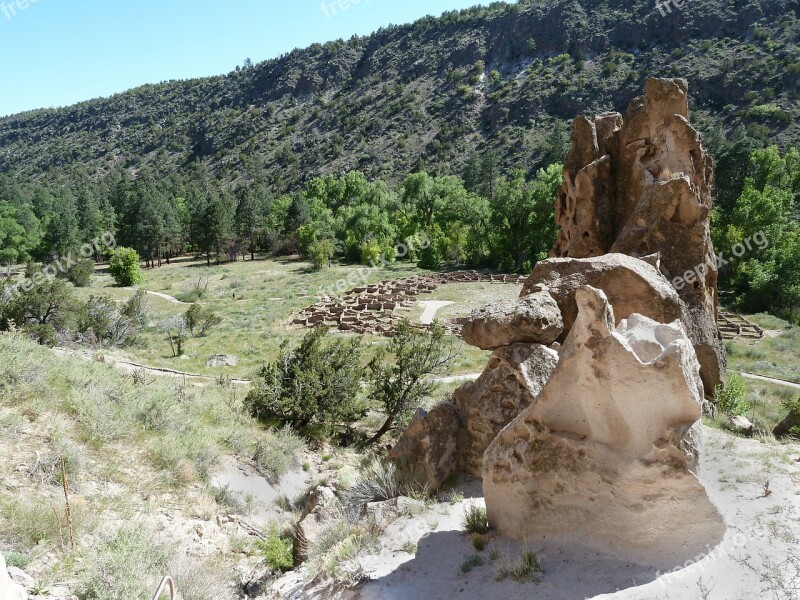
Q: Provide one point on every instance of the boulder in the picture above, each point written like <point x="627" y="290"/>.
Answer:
<point x="513" y="378"/>
<point x="642" y="185"/>
<point x="605" y="453"/>
<point x="789" y="426"/>
<point x="425" y="454"/>
<point x="531" y="319"/>
<point x="222" y="360"/>
<point x="9" y="590"/>
<point x="630" y="284"/>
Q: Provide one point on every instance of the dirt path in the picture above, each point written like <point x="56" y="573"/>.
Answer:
<point x="166" y="297"/>
<point x="782" y="382"/>
<point x="132" y="367"/>
<point x="431" y="307"/>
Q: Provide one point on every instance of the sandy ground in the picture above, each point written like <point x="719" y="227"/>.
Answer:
<point x="750" y="562"/>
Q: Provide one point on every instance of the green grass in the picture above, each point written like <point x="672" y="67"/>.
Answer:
<point x="476" y="520"/>
<point x="775" y="356"/>
<point x="256" y="301"/>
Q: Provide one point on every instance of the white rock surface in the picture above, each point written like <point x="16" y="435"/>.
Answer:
<point x="8" y="589"/>
<point x="604" y="454"/>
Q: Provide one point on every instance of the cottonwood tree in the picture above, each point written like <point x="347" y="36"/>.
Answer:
<point x="399" y="385"/>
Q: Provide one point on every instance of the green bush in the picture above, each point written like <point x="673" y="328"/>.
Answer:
<point x="201" y="319"/>
<point x="124" y="267"/>
<point x="277" y="551"/>
<point x="320" y="253"/>
<point x="314" y="388"/>
<point x="730" y="398"/>
<point x="476" y="520"/>
<point x="80" y="275"/>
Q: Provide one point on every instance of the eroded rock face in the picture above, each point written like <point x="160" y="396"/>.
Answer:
<point x="531" y="319"/>
<point x="426" y="452"/>
<point x="643" y="185"/>
<point x="512" y="380"/>
<point x="604" y="454"/>
<point x="630" y="284"/>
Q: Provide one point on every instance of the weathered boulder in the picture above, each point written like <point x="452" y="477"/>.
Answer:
<point x="321" y="509"/>
<point x="426" y="453"/>
<point x="631" y="285"/>
<point x="221" y="360"/>
<point x="513" y="378"/>
<point x="643" y="185"/>
<point x="8" y="589"/>
<point x="531" y="319"/>
<point x="604" y="454"/>
<point x="789" y="426"/>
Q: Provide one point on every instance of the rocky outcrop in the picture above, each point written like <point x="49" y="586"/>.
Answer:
<point x="631" y="286"/>
<point x="513" y="378"/>
<point x="9" y="590"/>
<point x="426" y="453"/>
<point x="790" y="426"/>
<point x="642" y="185"/>
<point x="532" y="319"/>
<point x="605" y="452"/>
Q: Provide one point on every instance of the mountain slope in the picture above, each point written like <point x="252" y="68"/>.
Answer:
<point x="432" y="92"/>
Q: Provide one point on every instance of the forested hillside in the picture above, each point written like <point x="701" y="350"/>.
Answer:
<point x="507" y="78"/>
<point x="450" y="129"/>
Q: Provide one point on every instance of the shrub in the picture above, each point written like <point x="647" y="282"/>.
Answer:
<point x="527" y="570"/>
<point x="320" y="253"/>
<point x="376" y="484"/>
<point x="371" y="252"/>
<point x="277" y="551"/>
<point x="80" y="275"/>
<point x="314" y="388"/>
<point x="124" y="267"/>
<point x="476" y="520"/>
<point x="202" y="319"/>
<point x="730" y="398"/>
<point x="277" y="452"/>
<point x="128" y="565"/>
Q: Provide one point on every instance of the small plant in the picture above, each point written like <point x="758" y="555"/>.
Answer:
<point x="16" y="559"/>
<point x="409" y="547"/>
<point x="730" y="398"/>
<point x="476" y="520"/>
<point x="376" y="484"/>
<point x="471" y="563"/>
<point x="277" y="552"/>
<point x="478" y="541"/>
<point x="527" y="570"/>
<point x="306" y="466"/>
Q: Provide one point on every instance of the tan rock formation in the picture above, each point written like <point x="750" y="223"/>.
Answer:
<point x="631" y="285"/>
<point x="604" y="454"/>
<point x="531" y="319"/>
<point x="8" y="589"/>
<point x="426" y="452"/>
<point x="512" y="380"/>
<point x="643" y="185"/>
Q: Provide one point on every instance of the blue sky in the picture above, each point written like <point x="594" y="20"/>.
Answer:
<point x="58" y="52"/>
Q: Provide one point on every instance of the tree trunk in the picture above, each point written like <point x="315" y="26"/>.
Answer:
<point x="382" y="431"/>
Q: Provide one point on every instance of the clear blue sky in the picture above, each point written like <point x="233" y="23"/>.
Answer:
<point x="58" y="52"/>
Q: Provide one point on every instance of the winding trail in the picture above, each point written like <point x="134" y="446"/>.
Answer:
<point x="782" y="382"/>
<point x="431" y="308"/>
<point x="166" y="297"/>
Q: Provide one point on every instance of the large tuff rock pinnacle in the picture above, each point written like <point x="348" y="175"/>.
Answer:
<point x="513" y="378"/>
<point x="604" y="453"/>
<point x="531" y="319"/>
<point x="426" y="454"/>
<point x="643" y="185"/>
<point x="631" y="285"/>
